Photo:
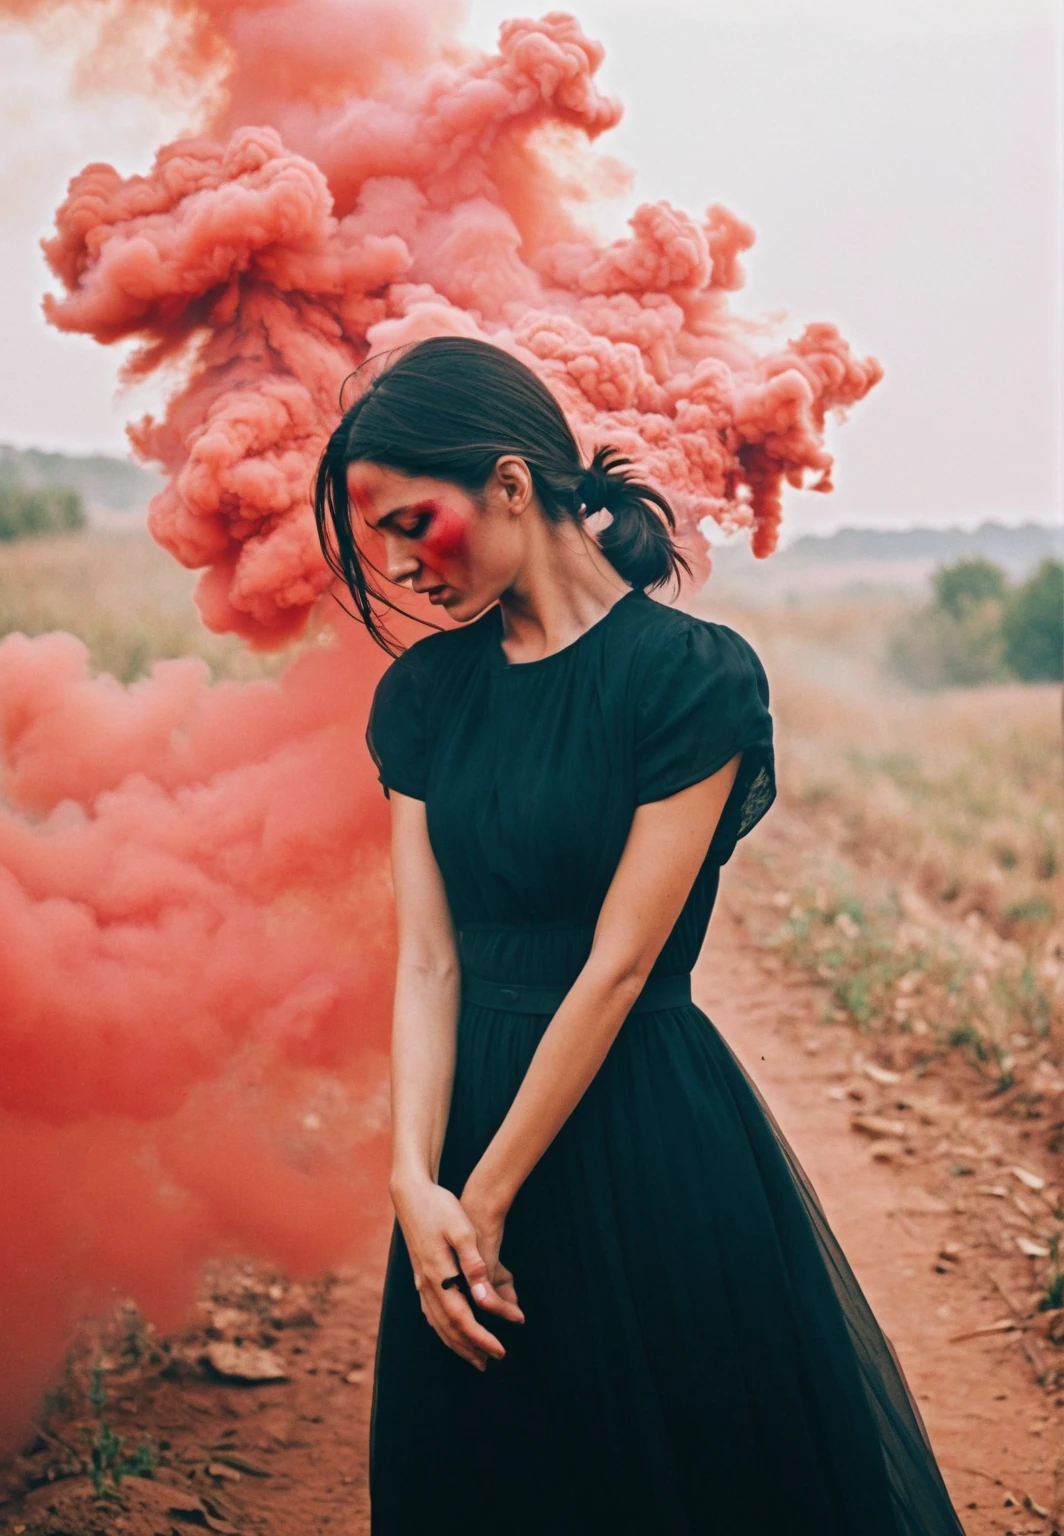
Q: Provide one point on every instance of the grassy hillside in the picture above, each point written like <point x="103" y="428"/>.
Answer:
<point x="920" y="851"/>
<point x="877" y="560"/>
<point x="128" y="600"/>
<point x="102" y="481"/>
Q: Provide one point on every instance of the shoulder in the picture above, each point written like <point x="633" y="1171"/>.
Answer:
<point x="425" y="665"/>
<point x="671" y="646"/>
<point x="700" y="698"/>
<point x="401" y="726"/>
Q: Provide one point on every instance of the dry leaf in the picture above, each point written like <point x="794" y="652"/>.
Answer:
<point x="1032" y="1180"/>
<point x="877" y="1125"/>
<point x="1031" y="1249"/>
<point x="240" y="1362"/>
<point x="182" y="1504"/>
<point x="192" y="1512"/>
<point x="1003" y="1325"/>
<point x="880" y="1075"/>
<point x="240" y="1465"/>
<point x="226" y="1473"/>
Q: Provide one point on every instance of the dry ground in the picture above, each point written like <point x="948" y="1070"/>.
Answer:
<point x="887" y="960"/>
<point x="934" y="1248"/>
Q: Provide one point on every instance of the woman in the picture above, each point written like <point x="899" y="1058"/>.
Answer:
<point x="568" y="768"/>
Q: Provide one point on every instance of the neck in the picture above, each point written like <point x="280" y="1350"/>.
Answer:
<point x="565" y="585"/>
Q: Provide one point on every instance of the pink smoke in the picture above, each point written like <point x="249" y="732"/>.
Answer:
<point x="195" y="974"/>
<point x="193" y="887"/>
<point x="275" y="258"/>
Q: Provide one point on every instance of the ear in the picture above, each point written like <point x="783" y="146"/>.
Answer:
<point x="513" y="480"/>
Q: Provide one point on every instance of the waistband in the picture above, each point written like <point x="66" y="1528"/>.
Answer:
<point x="511" y="997"/>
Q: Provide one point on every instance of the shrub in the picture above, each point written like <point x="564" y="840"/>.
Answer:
<point x="977" y="630"/>
<point x="1032" y="626"/>
<point x="28" y="511"/>
<point x="967" y="584"/>
<point x="940" y="648"/>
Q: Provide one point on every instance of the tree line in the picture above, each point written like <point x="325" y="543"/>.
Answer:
<point x="980" y="628"/>
<point x="27" y="511"/>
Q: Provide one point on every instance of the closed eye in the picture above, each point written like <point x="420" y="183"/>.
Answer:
<point x="418" y="527"/>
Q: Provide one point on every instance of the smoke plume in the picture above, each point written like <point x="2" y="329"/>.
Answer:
<point x="193" y="887"/>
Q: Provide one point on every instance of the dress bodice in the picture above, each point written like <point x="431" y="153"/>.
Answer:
<point x="531" y="772"/>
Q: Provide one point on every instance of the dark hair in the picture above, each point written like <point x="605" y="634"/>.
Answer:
<point x="449" y="408"/>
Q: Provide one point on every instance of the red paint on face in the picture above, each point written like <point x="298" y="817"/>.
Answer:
<point x="443" y="547"/>
<point x="445" y="538"/>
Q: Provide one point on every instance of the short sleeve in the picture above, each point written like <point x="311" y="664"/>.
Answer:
<point x="703" y="698"/>
<point x="396" y="731"/>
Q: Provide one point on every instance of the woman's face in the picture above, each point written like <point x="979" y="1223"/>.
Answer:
<point x="434" y="537"/>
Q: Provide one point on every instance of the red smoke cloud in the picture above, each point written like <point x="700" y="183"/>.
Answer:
<point x="195" y="982"/>
<point x="275" y="258"/>
<point x="192" y="879"/>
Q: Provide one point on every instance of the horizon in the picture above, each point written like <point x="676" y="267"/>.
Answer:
<point x="715" y="536"/>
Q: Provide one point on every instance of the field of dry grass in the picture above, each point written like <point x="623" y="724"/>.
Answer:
<point x="125" y="597"/>
<point x="928" y="887"/>
<point x="926" y="883"/>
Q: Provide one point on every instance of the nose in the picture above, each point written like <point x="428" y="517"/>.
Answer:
<point x="400" y="563"/>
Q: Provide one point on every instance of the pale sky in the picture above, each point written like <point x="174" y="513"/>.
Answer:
<point x="899" y="160"/>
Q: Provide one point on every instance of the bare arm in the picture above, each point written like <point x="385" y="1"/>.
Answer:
<point x="666" y="845"/>
<point x="425" y="1014"/>
<point x="440" y="1236"/>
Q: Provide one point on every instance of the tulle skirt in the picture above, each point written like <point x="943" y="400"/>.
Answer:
<point x="697" y="1357"/>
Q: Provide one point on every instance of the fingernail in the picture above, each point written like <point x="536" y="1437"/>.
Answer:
<point x="480" y="1291"/>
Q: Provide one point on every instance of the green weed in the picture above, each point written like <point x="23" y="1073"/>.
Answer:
<point x="109" y="1461"/>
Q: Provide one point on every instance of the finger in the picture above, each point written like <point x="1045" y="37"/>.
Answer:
<point x="473" y="1266"/>
<point x="504" y="1302"/>
<point x="455" y="1340"/>
<point x="484" y="1288"/>
<point x="448" y="1327"/>
<point x="504" y="1287"/>
<point x="465" y="1351"/>
<point x="455" y="1306"/>
<point x="461" y="1315"/>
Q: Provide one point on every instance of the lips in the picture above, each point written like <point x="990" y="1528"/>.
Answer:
<point x="437" y="594"/>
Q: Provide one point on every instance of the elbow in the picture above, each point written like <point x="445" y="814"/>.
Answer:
<point x="622" y="982"/>
<point x="429" y="970"/>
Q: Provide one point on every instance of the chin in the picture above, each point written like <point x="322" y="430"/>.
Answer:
<point x="463" y="606"/>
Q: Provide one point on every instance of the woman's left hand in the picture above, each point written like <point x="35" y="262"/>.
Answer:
<point x="489" y="1224"/>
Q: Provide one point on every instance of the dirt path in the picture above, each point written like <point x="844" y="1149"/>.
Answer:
<point x="934" y="1248"/>
<point x="996" y="1434"/>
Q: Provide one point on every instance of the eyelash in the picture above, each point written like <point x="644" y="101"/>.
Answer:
<point x="418" y="526"/>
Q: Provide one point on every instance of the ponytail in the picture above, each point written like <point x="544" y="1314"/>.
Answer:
<point x="637" y="542"/>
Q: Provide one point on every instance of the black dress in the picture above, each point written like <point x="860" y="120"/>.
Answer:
<point x="697" y="1357"/>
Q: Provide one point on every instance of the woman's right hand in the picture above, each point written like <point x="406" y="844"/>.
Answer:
<point x="438" y="1232"/>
